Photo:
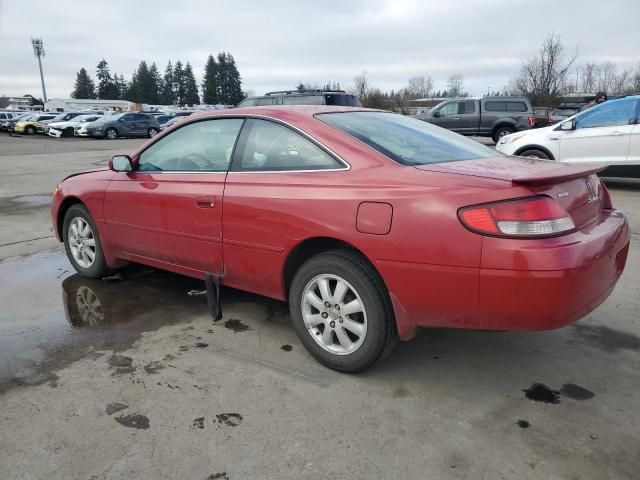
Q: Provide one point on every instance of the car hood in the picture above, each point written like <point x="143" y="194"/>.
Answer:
<point x="68" y="123"/>
<point x="515" y="169"/>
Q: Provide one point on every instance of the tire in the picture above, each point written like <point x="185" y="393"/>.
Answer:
<point x="111" y="134"/>
<point x="78" y="240"/>
<point x="533" y="152"/>
<point x="342" y="349"/>
<point x="152" y="132"/>
<point x="30" y="130"/>
<point x="501" y="132"/>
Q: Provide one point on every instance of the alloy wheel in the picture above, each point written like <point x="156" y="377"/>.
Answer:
<point x="334" y="314"/>
<point x="82" y="242"/>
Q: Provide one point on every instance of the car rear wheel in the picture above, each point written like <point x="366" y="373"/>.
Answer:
<point x="30" y="130"/>
<point x="111" y="133"/>
<point x="534" y="153"/>
<point x="501" y="132"/>
<point x="82" y="243"/>
<point x="152" y="132"/>
<point x="341" y="311"/>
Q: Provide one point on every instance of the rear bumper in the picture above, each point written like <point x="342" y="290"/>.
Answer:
<point x="520" y="284"/>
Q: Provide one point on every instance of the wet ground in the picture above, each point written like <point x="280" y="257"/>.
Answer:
<point x="130" y="378"/>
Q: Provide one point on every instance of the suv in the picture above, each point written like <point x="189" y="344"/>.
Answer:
<point x="492" y="117"/>
<point x="303" y="97"/>
<point x="124" y="125"/>
<point x="563" y="111"/>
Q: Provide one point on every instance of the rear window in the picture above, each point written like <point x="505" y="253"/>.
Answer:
<point x="342" y="100"/>
<point x="406" y="140"/>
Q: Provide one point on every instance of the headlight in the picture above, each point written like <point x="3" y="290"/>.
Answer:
<point x="511" y="138"/>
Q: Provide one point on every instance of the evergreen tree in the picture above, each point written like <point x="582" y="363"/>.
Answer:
<point x="84" y="87"/>
<point x="230" y="81"/>
<point x="141" y="87"/>
<point x="210" y="94"/>
<point x="178" y="83"/>
<point x="122" y="86"/>
<point x="191" y="96"/>
<point x="155" y="81"/>
<point x="107" y="87"/>
<point x="168" y="97"/>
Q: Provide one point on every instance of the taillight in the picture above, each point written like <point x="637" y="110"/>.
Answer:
<point x="532" y="121"/>
<point x="524" y="217"/>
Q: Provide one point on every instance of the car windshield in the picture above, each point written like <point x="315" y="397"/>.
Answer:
<point x="406" y="140"/>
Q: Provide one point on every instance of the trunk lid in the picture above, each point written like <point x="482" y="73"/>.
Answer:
<point x="576" y="187"/>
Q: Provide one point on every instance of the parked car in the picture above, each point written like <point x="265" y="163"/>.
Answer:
<point x="370" y="224"/>
<point x="9" y="118"/>
<point x="542" y="115"/>
<point x="608" y="133"/>
<point x="172" y="121"/>
<point x="29" y="125"/>
<point x="492" y="117"/>
<point x="563" y="111"/>
<point x="303" y="97"/>
<point x="124" y="125"/>
<point x="67" y="128"/>
<point x="43" y="126"/>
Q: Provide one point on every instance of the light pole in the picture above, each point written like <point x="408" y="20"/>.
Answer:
<point x="38" y="51"/>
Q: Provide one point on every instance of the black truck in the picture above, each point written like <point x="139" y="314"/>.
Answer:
<point x="492" y="117"/>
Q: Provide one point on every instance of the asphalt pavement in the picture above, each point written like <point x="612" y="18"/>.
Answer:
<point x="128" y="377"/>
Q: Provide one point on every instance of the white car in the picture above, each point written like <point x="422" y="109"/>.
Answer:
<point x="608" y="133"/>
<point x="68" y="128"/>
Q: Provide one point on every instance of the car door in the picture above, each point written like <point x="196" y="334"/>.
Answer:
<point x="449" y="116"/>
<point x="276" y="177"/>
<point x="126" y="125"/>
<point x="602" y="133"/>
<point x="169" y="208"/>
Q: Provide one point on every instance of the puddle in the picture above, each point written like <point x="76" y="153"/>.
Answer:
<point x="607" y="339"/>
<point x="18" y="205"/>
<point x="576" y="392"/>
<point x="236" y="325"/>
<point x="46" y="322"/>
<point x="539" y="392"/>
<point x="523" y="424"/>
<point x="133" y="421"/>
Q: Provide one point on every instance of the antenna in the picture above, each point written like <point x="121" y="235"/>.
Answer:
<point x="38" y="51"/>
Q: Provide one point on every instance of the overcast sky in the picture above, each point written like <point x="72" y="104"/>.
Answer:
<point x="276" y="44"/>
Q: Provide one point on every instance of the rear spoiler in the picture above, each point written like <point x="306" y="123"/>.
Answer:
<point x="559" y="172"/>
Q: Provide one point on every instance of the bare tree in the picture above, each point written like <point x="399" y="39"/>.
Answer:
<point x="542" y="75"/>
<point x="635" y="81"/>
<point x="607" y="72"/>
<point x="361" y="86"/>
<point x="455" y="85"/>
<point x="621" y="82"/>
<point x="588" y="77"/>
<point x="419" y="87"/>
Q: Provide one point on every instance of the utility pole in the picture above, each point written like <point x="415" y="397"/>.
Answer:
<point x="38" y="51"/>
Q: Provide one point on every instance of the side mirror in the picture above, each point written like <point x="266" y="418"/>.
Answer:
<point x="570" y="125"/>
<point x="120" y="163"/>
<point x="436" y="114"/>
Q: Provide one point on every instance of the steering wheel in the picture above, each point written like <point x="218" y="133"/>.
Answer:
<point x="193" y="161"/>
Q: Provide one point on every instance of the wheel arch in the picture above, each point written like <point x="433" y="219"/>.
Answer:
<point x="503" y="122"/>
<point x="535" y="147"/>
<point x="309" y="247"/>
<point x="67" y="203"/>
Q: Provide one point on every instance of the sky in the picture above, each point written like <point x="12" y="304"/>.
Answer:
<point x="277" y="44"/>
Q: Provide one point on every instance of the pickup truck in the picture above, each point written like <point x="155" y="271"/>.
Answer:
<point x="492" y="117"/>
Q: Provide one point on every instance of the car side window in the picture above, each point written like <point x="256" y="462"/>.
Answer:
<point x="204" y="146"/>
<point x="265" y="101"/>
<point x="516" y="107"/>
<point x="468" y="106"/>
<point x="141" y="117"/>
<point x="269" y="146"/>
<point x="128" y="118"/>
<point x="449" y="109"/>
<point x="615" y="113"/>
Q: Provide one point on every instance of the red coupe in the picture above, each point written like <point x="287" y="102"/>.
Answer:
<point x="368" y="223"/>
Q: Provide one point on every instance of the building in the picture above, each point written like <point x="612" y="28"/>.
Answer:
<point x="70" y="104"/>
<point x="26" y="102"/>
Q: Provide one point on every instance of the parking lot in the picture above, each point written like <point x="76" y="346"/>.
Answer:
<point x="128" y="377"/>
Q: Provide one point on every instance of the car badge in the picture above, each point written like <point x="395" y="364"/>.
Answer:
<point x="592" y="191"/>
<point x="563" y="194"/>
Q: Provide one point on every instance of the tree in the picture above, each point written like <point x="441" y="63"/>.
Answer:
<point x="178" y="83"/>
<point x="419" y="87"/>
<point x="107" y="88"/>
<point x="588" y="77"/>
<point x="229" y="80"/>
<point x="361" y="86"/>
<point x="141" y="86"/>
<point x="122" y="86"/>
<point x="191" y="96"/>
<point x="455" y="84"/>
<point x="210" y="88"/>
<point x="542" y="75"/>
<point x="168" y="96"/>
<point x="84" y="87"/>
<point x="155" y="85"/>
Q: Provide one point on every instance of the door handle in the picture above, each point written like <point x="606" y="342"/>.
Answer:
<point x="206" y="202"/>
<point x="456" y="118"/>
<point x="616" y="133"/>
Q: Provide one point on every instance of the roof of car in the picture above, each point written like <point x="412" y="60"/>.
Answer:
<point x="282" y="111"/>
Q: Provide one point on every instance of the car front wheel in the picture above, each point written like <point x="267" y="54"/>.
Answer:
<point x="534" y="153"/>
<point x="82" y="243"/>
<point x="152" y="132"/>
<point x="111" y="133"/>
<point x="501" y="132"/>
<point x="341" y="311"/>
<point x="30" y="130"/>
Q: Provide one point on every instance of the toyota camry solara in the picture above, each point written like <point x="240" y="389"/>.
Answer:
<point x="370" y="224"/>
